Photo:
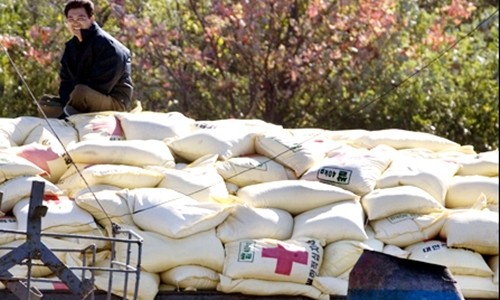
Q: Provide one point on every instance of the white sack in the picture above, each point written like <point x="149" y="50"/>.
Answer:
<point x="105" y="206"/>
<point x="246" y="222"/>
<point x="149" y="125"/>
<point x="20" y="187"/>
<point x="472" y="229"/>
<point x="256" y="287"/>
<point x="395" y="251"/>
<point x="338" y="221"/>
<point x="385" y="202"/>
<point x="431" y="175"/>
<point x="252" y="125"/>
<point x="373" y="242"/>
<point x="191" y="277"/>
<point x="458" y="261"/>
<point x="97" y="126"/>
<point x="63" y="216"/>
<point x="172" y="214"/>
<point x="253" y="169"/>
<point x="51" y="133"/>
<point x="49" y="159"/>
<point x="404" y="229"/>
<point x="160" y="253"/>
<point x="341" y="256"/>
<point x="347" y="136"/>
<point x="294" y="196"/>
<point x="484" y="164"/>
<point x="16" y="130"/>
<point x="129" y="152"/>
<point x="149" y="283"/>
<point x="463" y="191"/>
<point x="225" y="143"/>
<point x="296" y="153"/>
<point x="7" y="223"/>
<point x="296" y="261"/>
<point x="356" y="170"/>
<point x="402" y="139"/>
<point x="6" y="126"/>
<point x="12" y="166"/>
<point x="200" y="183"/>
<point x="207" y="160"/>
<point x="476" y="287"/>
<point x="91" y="238"/>
<point x="331" y="285"/>
<point x="123" y="176"/>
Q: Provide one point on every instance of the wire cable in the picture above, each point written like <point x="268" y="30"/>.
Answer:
<point x="69" y="160"/>
<point x="313" y="136"/>
<point x="393" y="88"/>
<point x="425" y="66"/>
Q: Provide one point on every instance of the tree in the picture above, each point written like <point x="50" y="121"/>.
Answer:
<point x="297" y="63"/>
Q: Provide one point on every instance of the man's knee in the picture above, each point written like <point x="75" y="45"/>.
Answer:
<point x="85" y="99"/>
<point x="81" y="91"/>
<point x="81" y="88"/>
<point x="80" y="96"/>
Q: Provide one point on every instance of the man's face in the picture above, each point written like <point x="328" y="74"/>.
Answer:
<point x="76" y="20"/>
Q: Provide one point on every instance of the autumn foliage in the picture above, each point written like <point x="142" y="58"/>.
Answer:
<point x="367" y="64"/>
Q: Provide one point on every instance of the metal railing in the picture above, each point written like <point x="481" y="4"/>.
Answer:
<point x="33" y="252"/>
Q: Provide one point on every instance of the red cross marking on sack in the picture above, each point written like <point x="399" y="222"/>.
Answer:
<point x="111" y="126"/>
<point x="39" y="155"/>
<point x="285" y="258"/>
<point x="51" y="199"/>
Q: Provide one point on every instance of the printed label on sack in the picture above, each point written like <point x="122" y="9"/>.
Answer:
<point x="8" y="220"/>
<point x="434" y="247"/>
<point x="247" y="251"/>
<point x="401" y="217"/>
<point x="334" y="175"/>
<point x="315" y="260"/>
<point x="290" y="145"/>
<point x="442" y="246"/>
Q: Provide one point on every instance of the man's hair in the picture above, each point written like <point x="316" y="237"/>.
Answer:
<point x="86" y="4"/>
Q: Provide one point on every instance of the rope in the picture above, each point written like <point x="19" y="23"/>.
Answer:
<point x="69" y="160"/>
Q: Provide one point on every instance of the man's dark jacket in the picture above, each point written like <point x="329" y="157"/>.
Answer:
<point x="99" y="61"/>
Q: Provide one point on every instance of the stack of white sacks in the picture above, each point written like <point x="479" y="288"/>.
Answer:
<point x="244" y="206"/>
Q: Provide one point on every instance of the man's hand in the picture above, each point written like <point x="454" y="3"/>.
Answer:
<point x="51" y="106"/>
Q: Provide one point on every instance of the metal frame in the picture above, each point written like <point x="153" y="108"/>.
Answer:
<point x="34" y="249"/>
